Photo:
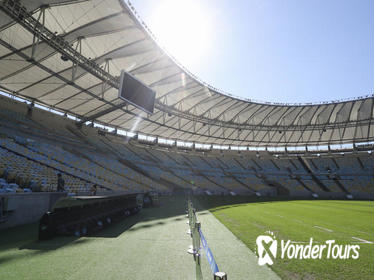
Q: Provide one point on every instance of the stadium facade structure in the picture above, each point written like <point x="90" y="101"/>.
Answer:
<point x="33" y="149"/>
<point x="66" y="56"/>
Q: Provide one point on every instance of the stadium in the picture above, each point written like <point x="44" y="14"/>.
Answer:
<point x="132" y="168"/>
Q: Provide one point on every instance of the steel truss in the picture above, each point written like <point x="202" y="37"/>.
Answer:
<point x="36" y="26"/>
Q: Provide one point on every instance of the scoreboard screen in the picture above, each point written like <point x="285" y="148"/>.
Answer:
<point x="136" y="93"/>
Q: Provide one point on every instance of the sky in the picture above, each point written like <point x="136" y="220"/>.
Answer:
<point x="270" y="50"/>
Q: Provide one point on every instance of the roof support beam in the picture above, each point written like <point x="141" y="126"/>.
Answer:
<point x="101" y="113"/>
<point x="5" y="44"/>
<point x="36" y="37"/>
<point x="105" y="84"/>
<point x="19" y="13"/>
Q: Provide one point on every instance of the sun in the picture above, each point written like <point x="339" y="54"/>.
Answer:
<point x="182" y="27"/>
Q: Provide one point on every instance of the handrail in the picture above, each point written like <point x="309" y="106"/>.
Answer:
<point x="198" y="237"/>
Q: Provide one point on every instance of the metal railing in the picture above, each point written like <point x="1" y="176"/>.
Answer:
<point x="198" y="239"/>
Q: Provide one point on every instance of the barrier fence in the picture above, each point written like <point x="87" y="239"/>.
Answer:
<point x="198" y="237"/>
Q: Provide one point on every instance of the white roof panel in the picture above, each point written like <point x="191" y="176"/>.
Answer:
<point x="112" y="35"/>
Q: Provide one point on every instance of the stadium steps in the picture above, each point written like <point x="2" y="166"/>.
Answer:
<point x="258" y="165"/>
<point x="306" y="166"/>
<point x="190" y="165"/>
<point x="52" y="167"/>
<point x="240" y="182"/>
<point x="181" y="178"/>
<point x="311" y="184"/>
<point x="230" y="175"/>
<point x="77" y="153"/>
<point x="78" y="133"/>
<point x="188" y="161"/>
<point x="137" y="169"/>
<point x="360" y="163"/>
<point x="276" y="166"/>
<point x="336" y="164"/>
<point x="20" y="118"/>
<point x="161" y="181"/>
<point x="166" y="173"/>
<point x="315" y="166"/>
<point x="142" y="156"/>
<point x="293" y="164"/>
<point x="164" y="156"/>
<point x="152" y="156"/>
<point x="239" y="163"/>
<point x="155" y="155"/>
<point x="173" y="159"/>
<point x="212" y="181"/>
<point x="222" y="164"/>
<point x="296" y="178"/>
<point x="281" y="190"/>
<point x="11" y="129"/>
<point x="101" y="165"/>
<point x="206" y="162"/>
<point x="109" y="149"/>
<point x="303" y="184"/>
<point x="86" y="138"/>
<point x="340" y="185"/>
<point x="133" y="166"/>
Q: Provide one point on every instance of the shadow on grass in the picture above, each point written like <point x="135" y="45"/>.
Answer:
<point x="22" y="242"/>
<point x="116" y="229"/>
<point x="12" y="256"/>
<point x="53" y="244"/>
<point x="25" y="237"/>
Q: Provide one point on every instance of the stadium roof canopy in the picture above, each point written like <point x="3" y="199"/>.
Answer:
<point x="68" y="55"/>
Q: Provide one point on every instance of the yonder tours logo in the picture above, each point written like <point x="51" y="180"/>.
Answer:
<point x="267" y="247"/>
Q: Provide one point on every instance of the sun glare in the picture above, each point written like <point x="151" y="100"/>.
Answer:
<point x="182" y="28"/>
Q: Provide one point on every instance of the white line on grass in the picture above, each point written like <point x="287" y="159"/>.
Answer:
<point x="363" y="240"/>
<point x="326" y="229"/>
<point x="364" y="232"/>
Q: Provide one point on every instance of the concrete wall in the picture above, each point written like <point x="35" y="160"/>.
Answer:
<point x="27" y="208"/>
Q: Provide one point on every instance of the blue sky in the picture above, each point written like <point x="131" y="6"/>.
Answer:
<point x="282" y="51"/>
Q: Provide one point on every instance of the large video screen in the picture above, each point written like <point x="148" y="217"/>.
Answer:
<point x="136" y="93"/>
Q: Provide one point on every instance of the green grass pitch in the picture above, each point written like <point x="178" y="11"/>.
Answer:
<point x="152" y="244"/>
<point x="299" y="221"/>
